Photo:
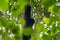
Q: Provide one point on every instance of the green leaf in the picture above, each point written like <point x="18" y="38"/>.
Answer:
<point x="56" y="36"/>
<point x="22" y="21"/>
<point x="48" y="3"/>
<point x="5" y="36"/>
<point x="15" y="10"/>
<point x="15" y="29"/>
<point x="46" y="20"/>
<point x="46" y="37"/>
<point x="50" y="9"/>
<point x="4" y="21"/>
<point x="4" y="5"/>
<point x="40" y="27"/>
<point x="22" y="4"/>
<point x="56" y="9"/>
<point x="36" y="36"/>
<point x="27" y="31"/>
<point x="18" y="8"/>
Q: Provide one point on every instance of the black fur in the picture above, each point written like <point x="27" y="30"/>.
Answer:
<point x="29" y="21"/>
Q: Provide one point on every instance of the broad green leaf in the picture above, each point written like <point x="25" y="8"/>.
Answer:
<point x="4" y="21"/>
<point x="56" y="9"/>
<point x="27" y="31"/>
<point x="4" y="5"/>
<point x="15" y="29"/>
<point x="48" y="3"/>
<point x="22" y="4"/>
<point x="50" y="9"/>
<point x="46" y="37"/>
<point x="53" y="30"/>
<point x="40" y="27"/>
<point x="7" y="23"/>
<point x="46" y="20"/>
<point x="36" y="37"/>
<point x="22" y="21"/>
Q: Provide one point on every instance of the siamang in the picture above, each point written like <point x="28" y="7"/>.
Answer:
<point x="29" y="20"/>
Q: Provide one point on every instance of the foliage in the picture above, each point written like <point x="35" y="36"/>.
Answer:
<point x="46" y="26"/>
